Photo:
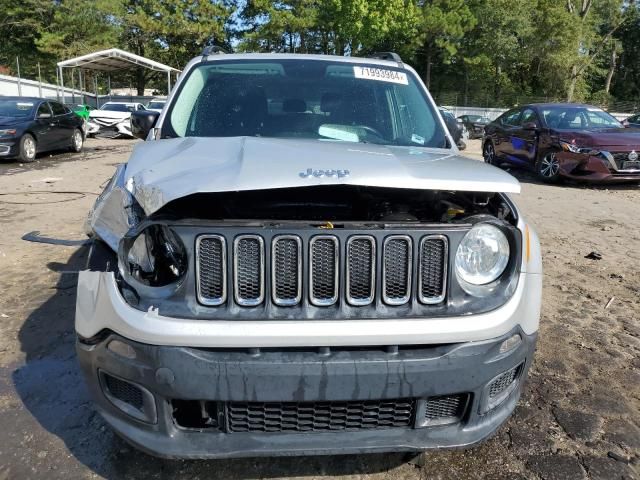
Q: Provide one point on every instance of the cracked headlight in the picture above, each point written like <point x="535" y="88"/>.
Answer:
<point x="482" y="256"/>
<point x="573" y="148"/>
<point x="156" y="257"/>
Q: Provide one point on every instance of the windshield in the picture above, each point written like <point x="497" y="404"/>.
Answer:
<point x="156" y="105"/>
<point x="582" y="118"/>
<point x="311" y="99"/>
<point x="16" y="108"/>
<point x="477" y="119"/>
<point x="118" y="107"/>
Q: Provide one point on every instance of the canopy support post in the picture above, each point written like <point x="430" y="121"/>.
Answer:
<point x="61" y="86"/>
<point x="168" y="82"/>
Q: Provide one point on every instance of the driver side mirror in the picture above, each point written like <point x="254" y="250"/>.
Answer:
<point x="530" y="126"/>
<point x="142" y="121"/>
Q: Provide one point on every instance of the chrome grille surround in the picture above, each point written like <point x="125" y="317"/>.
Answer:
<point x="357" y="268"/>
<point x="324" y="257"/>
<point x="248" y="273"/>
<point x="432" y="270"/>
<point x="216" y="274"/>
<point x="282" y="266"/>
<point x="395" y="291"/>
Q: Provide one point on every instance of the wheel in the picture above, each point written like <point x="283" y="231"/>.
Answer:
<point x="548" y="168"/>
<point x="28" y="148"/>
<point x="489" y="153"/>
<point x="77" y="141"/>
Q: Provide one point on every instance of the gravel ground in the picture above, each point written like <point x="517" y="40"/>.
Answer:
<point x="579" y="417"/>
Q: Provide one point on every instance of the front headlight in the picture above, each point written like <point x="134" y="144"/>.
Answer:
<point x="156" y="257"/>
<point x="482" y="256"/>
<point x="8" y="132"/>
<point x="573" y="148"/>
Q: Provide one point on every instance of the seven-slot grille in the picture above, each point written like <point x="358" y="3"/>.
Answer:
<point x="327" y="260"/>
<point x="319" y="416"/>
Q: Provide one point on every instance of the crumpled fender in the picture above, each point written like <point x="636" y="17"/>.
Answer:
<point x="115" y="211"/>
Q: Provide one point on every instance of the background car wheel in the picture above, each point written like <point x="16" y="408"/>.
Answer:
<point x="77" y="141"/>
<point x="489" y="153"/>
<point x="28" y="148"/>
<point x="548" y="168"/>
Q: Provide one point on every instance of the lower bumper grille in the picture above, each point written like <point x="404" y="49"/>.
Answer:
<point x="319" y="416"/>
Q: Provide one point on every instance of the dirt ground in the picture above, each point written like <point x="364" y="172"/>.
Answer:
<point x="579" y="417"/>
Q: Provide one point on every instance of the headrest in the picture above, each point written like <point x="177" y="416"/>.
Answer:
<point x="330" y="101"/>
<point x="294" y="105"/>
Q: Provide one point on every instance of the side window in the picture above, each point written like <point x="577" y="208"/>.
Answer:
<point x="43" y="109"/>
<point x="57" y="108"/>
<point x="529" y="116"/>
<point x="511" y="118"/>
<point x="141" y="107"/>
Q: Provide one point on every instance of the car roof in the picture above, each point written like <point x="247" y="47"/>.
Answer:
<point x="301" y="56"/>
<point x="558" y="104"/>
<point x="29" y="99"/>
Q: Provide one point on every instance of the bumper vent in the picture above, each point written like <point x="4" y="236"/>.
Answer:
<point x="445" y="409"/>
<point x="503" y="382"/>
<point x="124" y="391"/>
<point x="319" y="416"/>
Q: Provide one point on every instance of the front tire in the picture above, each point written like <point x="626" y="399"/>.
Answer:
<point x="28" y="148"/>
<point x="548" y="168"/>
<point x="489" y="153"/>
<point x="77" y="141"/>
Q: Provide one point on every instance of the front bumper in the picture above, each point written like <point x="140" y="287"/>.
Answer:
<point x="9" y="148"/>
<point x="591" y="168"/>
<point x="122" y="128"/>
<point x="167" y="373"/>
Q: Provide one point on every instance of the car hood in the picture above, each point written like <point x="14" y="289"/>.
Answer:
<point x="615" y="137"/>
<point x="109" y="114"/>
<point x="163" y="170"/>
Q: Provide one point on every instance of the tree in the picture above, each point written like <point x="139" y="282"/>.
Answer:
<point x="444" y="24"/>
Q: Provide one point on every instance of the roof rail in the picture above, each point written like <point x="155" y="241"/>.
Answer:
<point x="212" y="49"/>
<point x="386" y="56"/>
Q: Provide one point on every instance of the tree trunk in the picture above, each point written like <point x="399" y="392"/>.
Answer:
<point x="427" y="75"/>
<point x="572" y="83"/>
<point x="612" y="68"/>
<point x="140" y="81"/>
<point x="466" y="85"/>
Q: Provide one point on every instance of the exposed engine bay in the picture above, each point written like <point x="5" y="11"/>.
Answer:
<point x="341" y="203"/>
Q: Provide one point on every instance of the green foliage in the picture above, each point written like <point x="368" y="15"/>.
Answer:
<point x="483" y="52"/>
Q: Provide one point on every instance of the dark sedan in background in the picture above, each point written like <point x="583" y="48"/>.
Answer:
<point x="568" y="140"/>
<point x="633" y="121"/>
<point x="474" y="124"/>
<point x="454" y="127"/>
<point x="29" y="125"/>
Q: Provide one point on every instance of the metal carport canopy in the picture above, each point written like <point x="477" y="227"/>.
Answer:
<point x="112" y="60"/>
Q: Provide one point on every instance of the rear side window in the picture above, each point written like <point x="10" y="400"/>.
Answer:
<point x="57" y="108"/>
<point x="43" y="109"/>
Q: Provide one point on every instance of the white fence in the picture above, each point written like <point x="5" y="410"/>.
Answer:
<point x="12" y="86"/>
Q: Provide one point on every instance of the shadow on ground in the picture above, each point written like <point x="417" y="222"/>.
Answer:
<point x="51" y="387"/>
